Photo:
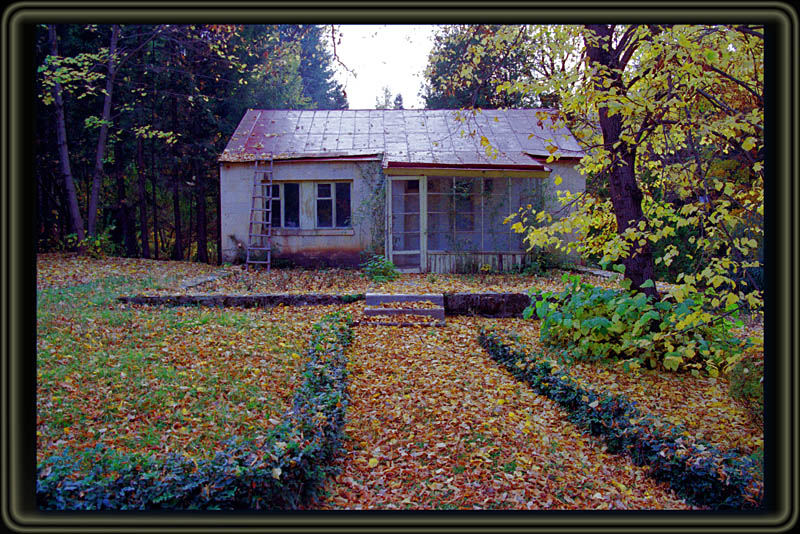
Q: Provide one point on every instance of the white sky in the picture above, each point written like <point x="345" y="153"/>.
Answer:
<point x="383" y="55"/>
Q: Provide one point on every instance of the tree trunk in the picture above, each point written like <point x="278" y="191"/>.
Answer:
<point x="626" y="197"/>
<point x="143" y="226"/>
<point x="76" y="221"/>
<point x="177" y="250"/>
<point x="155" y="201"/>
<point x="202" y="235"/>
<point x="102" y="138"/>
<point x="125" y="211"/>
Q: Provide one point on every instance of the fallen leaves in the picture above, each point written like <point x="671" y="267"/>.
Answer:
<point x="433" y="423"/>
<point x="701" y="404"/>
<point x="238" y="281"/>
<point x="157" y="380"/>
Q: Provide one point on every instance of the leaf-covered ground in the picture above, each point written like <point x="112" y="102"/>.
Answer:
<point x="434" y="423"/>
<point x="156" y="380"/>
<point x="701" y="404"/>
<point x="347" y="281"/>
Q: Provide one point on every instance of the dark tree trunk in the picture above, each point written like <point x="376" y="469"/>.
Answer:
<point x="177" y="250"/>
<point x="76" y="221"/>
<point x="155" y="202"/>
<point x="626" y="197"/>
<point x="125" y="211"/>
<point x="103" y="137"/>
<point x="142" y="199"/>
<point x="202" y="234"/>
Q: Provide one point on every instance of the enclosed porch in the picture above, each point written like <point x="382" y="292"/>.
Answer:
<point x="454" y="222"/>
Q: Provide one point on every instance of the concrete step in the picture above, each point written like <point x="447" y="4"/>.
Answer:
<point x="375" y="299"/>
<point x="391" y="307"/>
<point x="437" y="313"/>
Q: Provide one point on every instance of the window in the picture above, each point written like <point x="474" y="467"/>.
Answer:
<point x="285" y="205"/>
<point x="342" y="205"/>
<point x="333" y="205"/>
<point x="276" y="203"/>
<point x="291" y="205"/>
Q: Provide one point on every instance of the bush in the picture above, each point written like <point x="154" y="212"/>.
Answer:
<point x="287" y="472"/>
<point x="746" y="384"/>
<point x="699" y="472"/>
<point x="95" y="246"/>
<point x="379" y="269"/>
<point x="595" y="323"/>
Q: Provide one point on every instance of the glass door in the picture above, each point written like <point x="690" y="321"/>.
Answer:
<point x="406" y="246"/>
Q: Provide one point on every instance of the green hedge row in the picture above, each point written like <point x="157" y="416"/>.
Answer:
<point x="698" y="472"/>
<point x="287" y="472"/>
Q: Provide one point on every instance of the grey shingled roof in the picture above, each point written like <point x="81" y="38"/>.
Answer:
<point x="400" y="137"/>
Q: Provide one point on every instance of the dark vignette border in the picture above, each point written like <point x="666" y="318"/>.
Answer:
<point x="18" y="259"/>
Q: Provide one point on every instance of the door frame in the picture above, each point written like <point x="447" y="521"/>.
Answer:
<point x="423" y="221"/>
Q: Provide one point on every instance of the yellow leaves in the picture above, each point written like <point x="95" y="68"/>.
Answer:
<point x="372" y="462"/>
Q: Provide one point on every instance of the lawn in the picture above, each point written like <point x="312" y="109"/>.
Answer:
<point x="432" y="423"/>
<point x="155" y="380"/>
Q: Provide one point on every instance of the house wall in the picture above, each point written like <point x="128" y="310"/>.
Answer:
<point x="306" y="245"/>
<point x="310" y="246"/>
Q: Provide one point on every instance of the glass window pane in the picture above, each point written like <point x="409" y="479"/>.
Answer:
<point x="324" y="213"/>
<point x="323" y="190"/>
<point x="291" y="205"/>
<point x="342" y="204"/>
<point x="276" y="212"/>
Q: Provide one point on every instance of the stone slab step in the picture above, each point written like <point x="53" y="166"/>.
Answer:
<point x="437" y="313"/>
<point x="397" y="323"/>
<point x="375" y="299"/>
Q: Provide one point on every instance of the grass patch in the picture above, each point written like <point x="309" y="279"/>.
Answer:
<point x="158" y="380"/>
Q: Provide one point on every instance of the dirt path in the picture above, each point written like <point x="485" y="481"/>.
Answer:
<point x="434" y="423"/>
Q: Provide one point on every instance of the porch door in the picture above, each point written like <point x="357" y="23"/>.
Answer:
<point x="406" y="224"/>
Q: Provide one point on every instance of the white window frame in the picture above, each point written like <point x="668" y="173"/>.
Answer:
<point x="332" y="198"/>
<point x="282" y="203"/>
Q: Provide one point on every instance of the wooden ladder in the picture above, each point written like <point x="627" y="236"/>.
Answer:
<point x="260" y="218"/>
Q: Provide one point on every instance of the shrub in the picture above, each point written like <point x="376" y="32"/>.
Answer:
<point x="596" y="323"/>
<point x="702" y="474"/>
<point x="746" y="384"/>
<point x="95" y="246"/>
<point x="379" y="269"/>
<point x="285" y="473"/>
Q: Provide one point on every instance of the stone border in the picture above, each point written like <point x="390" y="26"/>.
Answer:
<point x="482" y="304"/>
<point x="243" y="301"/>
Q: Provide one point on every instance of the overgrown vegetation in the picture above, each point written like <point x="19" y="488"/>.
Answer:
<point x="596" y="323"/>
<point x="379" y="269"/>
<point x="283" y="473"/>
<point x="697" y="470"/>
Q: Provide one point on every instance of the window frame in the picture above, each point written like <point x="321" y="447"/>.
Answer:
<point x="332" y="199"/>
<point x="281" y="198"/>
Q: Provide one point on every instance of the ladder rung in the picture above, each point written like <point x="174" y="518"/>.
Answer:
<point x="254" y="261"/>
<point x="261" y="196"/>
<point x="261" y="209"/>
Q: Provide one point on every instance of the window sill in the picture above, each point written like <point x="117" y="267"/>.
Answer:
<point x="312" y="232"/>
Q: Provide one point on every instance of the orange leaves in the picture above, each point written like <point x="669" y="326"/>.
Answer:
<point x="346" y="281"/>
<point x="433" y="423"/>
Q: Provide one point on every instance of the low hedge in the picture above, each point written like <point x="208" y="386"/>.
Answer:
<point x="283" y="474"/>
<point x="699" y="472"/>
